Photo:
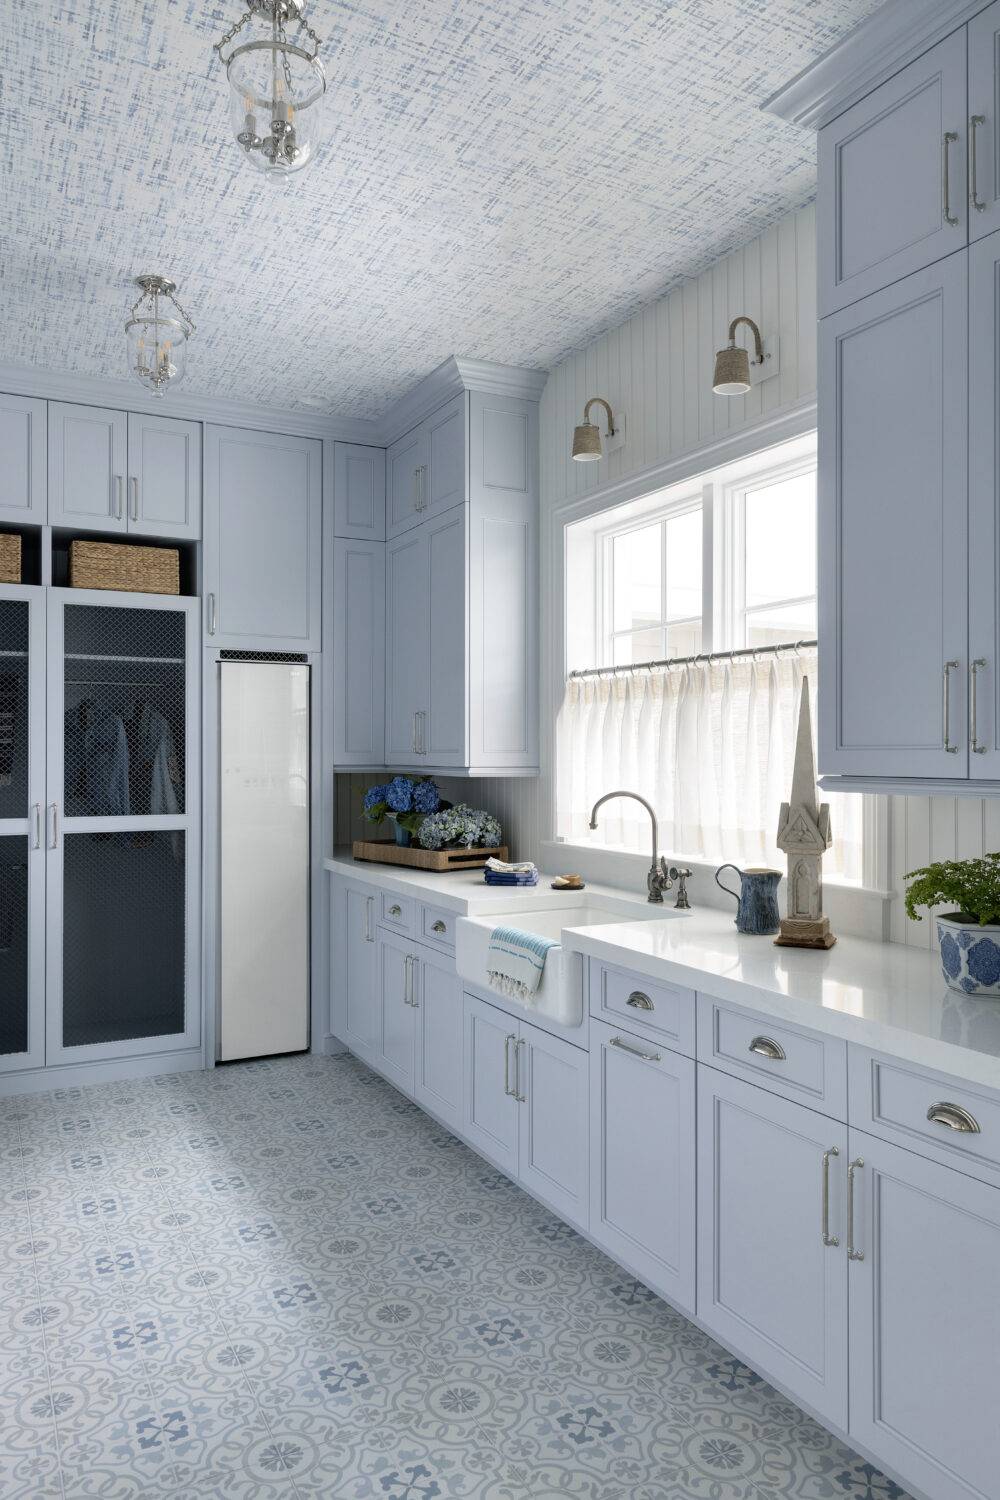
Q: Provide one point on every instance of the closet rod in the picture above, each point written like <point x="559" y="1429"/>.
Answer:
<point x="690" y="661"/>
<point x="177" y="661"/>
<point x="21" y="655"/>
<point x="120" y="682"/>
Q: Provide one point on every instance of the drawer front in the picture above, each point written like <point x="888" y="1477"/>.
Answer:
<point x="663" y="1011"/>
<point x="438" y="927"/>
<point x="927" y="1112"/>
<point x="398" y="912"/>
<point x="790" y="1061"/>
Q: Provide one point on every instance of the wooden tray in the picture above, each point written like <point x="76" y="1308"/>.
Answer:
<point x="10" y="558"/>
<point x="113" y="565"/>
<point x="388" y="852"/>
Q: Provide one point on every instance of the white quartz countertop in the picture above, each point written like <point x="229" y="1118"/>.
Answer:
<point x="879" y="995"/>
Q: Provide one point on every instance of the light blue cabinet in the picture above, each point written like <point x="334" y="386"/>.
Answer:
<point x="398" y="996"/>
<point x="359" y="659"/>
<point x="893" y="190"/>
<point x="23" y="488"/>
<point x="772" y="1266"/>
<point x="355" y="475"/>
<point x="893" y="517"/>
<point x="490" y="1112"/>
<point x="642" y="1159"/>
<point x="925" y="1321"/>
<point x="262" y="560"/>
<point x="438" y="1021"/>
<point x="88" y="466"/>
<point x="354" y="971"/>
<point x="164" y="477"/>
<point x="984" y="509"/>
<point x="427" y="468"/>
<point x="22" y="845"/>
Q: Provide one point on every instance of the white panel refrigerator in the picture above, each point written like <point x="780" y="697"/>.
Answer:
<point x="264" y="859"/>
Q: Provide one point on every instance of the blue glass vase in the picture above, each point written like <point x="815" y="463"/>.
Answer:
<point x="403" y="836"/>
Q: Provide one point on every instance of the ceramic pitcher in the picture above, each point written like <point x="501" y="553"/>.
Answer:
<point x="757" y="901"/>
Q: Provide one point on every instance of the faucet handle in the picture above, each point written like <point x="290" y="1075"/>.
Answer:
<point x="682" y="877"/>
<point x="658" y="880"/>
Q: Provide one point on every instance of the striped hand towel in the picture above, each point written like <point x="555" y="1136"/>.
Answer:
<point x="516" y="963"/>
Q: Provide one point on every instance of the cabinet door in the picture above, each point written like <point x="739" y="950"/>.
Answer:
<point x="357" y="474"/>
<point x="642" y="1159"/>
<point x="439" y="1019"/>
<point x="984" y="123"/>
<point x="23" y="472"/>
<point x="164" y="477"/>
<point x="358" y="669"/>
<point x="772" y="1282"/>
<point x="122" y="826"/>
<point x="406" y="481"/>
<point x="407" y="645"/>
<point x="87" y="463"/>
<point x="490" y="1112"/>
<point x="447" y="469"/>
<point x="442" y="730"/>
<point x="553" y="1086"/>
<point x="354" y="970"/>
<point x="263" y="566"/>
<point x="984" y="509"/>
<point x="925" y="1321"/>
<point x="893" y="514"/>
<point x="398" y="997"/>
<point x="22" y="851"/>
<point x="892" y="180"/>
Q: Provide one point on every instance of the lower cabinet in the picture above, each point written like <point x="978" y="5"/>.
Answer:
<point x="526" y="1106"/>
<point x="355" y="969"/>
<point x="417" y="1019"/>
<point x="772" y="1266"/>
<point x="398" y="998"/>
<point x="642" y="1151"/>
<point x="925" y="1321"/>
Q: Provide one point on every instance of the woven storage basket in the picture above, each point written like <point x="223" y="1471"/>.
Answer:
<point x="135" y="570"/>
<point x="10" y="558"/>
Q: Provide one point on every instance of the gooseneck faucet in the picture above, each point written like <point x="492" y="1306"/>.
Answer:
<point x="658" y="880"/>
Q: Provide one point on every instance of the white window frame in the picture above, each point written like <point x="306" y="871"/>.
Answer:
<point x="604" y="540"/>
<point x="731" y="497"/>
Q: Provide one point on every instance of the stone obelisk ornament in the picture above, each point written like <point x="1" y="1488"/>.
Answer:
<point x="804" y="835"/>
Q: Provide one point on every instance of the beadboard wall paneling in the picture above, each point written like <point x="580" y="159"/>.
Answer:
<point x="514" y="800"/>
<point x="657" y="367"/>
<point x="923" y="829"/>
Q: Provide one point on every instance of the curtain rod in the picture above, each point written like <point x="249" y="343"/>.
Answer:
<point x="690" y="661"/>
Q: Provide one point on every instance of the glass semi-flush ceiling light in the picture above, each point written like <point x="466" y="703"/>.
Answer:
<point x="158" y="329"/>
<point x="276" y="86"/>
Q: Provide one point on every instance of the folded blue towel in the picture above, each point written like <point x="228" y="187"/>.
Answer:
<point x="516" y="962"/>
<point x="492" y="879"/>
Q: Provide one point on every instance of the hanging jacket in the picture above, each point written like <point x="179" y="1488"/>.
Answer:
<point x="157" y="753"/>
<point x="105" y="760"/>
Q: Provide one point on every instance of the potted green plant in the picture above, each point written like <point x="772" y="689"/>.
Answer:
<point x="969" y="936"/>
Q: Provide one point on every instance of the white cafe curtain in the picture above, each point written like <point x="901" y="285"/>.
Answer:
<point x="709" y="744"/>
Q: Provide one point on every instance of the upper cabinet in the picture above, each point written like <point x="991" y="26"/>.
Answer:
<point x="984" y="122"/>
<point x="262" y="563"/>
<point x="356" y="475"/>
<point x="116" y="471"/>
<point x="22" y="473"/>
<point x="164" y="477"/>
<point x="427" y="469"/>
<point x="461" y="597"/>
<point x="88" y="462"/>
<point x="893" y="179"/>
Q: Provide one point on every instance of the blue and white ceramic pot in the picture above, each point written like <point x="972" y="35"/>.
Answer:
<point x="970" y="954"/>
<point x="402" y="836"/>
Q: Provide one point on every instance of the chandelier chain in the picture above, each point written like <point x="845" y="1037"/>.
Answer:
<point x="236" y="27"/>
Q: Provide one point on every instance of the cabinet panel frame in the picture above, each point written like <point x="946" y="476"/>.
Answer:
<point x="106" y="518"/>
<point x="34" y="509"/>
<point x="34" y="598"/>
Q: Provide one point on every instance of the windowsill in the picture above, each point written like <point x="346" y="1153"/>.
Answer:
<point x="852" y="908"/>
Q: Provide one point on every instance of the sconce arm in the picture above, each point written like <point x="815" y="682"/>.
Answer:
<point x="600" y="401"/>
<point x="758" y="343"/>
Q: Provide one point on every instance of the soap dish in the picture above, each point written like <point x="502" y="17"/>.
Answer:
<point x="568" y="883"/>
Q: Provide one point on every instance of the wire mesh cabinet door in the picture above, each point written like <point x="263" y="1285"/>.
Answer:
<point x="22" y="853"/>
<point x="122" y="828"/>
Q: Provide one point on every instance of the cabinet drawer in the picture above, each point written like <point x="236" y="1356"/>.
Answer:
<point x="664" y="1011"/>
<point x="786" y="1059"/>
<point x="437" y="927"/>
<point x="926" y="1112"/>
<point x="398" y="912"/>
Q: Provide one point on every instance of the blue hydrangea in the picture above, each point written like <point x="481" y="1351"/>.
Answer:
<point x="460" y="825"/>
<point x="375" y="795"/>
<point x="399" y="794"/>
<point x="426" y="797"/>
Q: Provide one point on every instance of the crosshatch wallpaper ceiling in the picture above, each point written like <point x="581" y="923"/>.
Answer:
<point x="502" y="179"/>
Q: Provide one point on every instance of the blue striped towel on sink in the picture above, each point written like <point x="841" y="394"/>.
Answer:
<point x="517" y="962"/>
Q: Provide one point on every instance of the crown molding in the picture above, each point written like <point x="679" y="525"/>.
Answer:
<point x="126" y="395"/>
<point x="890" y="38"/>
<point x="450" y="378"/>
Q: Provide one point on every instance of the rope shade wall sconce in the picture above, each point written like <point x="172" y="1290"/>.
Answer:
<point x="735" y="373"/>
<point x="587" y="446"/>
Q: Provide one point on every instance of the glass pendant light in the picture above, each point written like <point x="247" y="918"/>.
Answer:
<point x="276" y="87"/>
<point x="157" y="330"/>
